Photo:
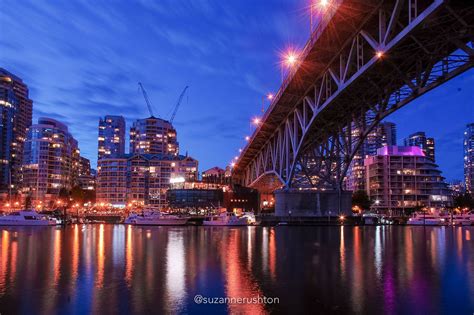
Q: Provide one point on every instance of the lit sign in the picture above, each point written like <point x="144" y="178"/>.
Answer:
<point x="175" y="180"/>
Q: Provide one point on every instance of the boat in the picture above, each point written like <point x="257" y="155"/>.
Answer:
<point x="156" y="218"/>
<point x="227" y="219"/>
<point x="28" y="218"/>
<point x="462" y="219"/>
<point x="426" y="219"/>
<point x="251" y="218"/>
<point x="370" y="219"/>
<point x="131" y="218"/>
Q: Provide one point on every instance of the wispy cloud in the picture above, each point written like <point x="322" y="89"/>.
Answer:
<point x="83" y="59"/>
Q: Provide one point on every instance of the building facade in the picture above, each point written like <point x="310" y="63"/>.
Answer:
<point x="111" y="139"/>
<point x="384" y="134"/>
<point x="419" y="139"/>
<point x="15" y="117"/>
<point x="142" y="179"/>
<point x="216" y="175"/>
<point x="85" y="179"/>
<point x="51" y="160"/>
<point x="111" y="181"/>
<point x="153" y="136"/>
<point x="401" y="179"/>
<point x="469" y="158"/>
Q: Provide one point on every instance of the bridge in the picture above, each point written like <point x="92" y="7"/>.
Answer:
<point x="364" y="60"/>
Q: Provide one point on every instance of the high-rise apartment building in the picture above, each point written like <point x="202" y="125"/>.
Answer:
<point x="15" y="117"/>
<point x="383" y="135"/>
<point x="51" y="160"/>
<point x="404" y="178"/>
<point x="419" y="139"/>
<point x="153" y="136"/>
<point x="469" y="158"/>
<point x="85" y="179"/>
<point x="111" y="140"/>
<point x="142" y="179"/>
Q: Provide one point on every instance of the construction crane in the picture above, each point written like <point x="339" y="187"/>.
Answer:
<point x="177" y="104"/>
<point x="146" y="99"/>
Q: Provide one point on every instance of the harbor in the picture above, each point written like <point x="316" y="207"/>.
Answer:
<point x="221" y="217"/>
<point x="105" y="268"/>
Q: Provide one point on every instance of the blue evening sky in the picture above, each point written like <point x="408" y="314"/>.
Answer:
<point x="83" y="59"/>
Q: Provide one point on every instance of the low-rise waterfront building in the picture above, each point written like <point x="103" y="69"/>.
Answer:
<point x="142" y="179"/>
<point x="216" y="175"/>
<point x="401" y="179"/>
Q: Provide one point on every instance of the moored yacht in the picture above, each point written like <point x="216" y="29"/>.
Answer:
<point x="426" y="219"/>
<point x="155" y="218"/>
<point x="27" y="217"/>
<point x="461" y="219"/>
<point x="227" y="219"/>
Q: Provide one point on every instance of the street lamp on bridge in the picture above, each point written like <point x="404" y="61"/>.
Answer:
<point x="319" y="4"/>
<point x="269" y="97"/>
<point x="289" y="60"/>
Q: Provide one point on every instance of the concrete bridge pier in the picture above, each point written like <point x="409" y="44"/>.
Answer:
<point x="312" y="203"/>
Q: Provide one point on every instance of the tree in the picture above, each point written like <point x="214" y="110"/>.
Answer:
<point x="63" y="193"/>
<point x="28" y="202"/>
<point x="77" y="194"/>
<point x="82" y="196"/>
<point x="464" y="201"/>
<point x="361" y="199"/>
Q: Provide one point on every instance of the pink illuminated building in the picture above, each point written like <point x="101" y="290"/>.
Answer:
<point x="403" y="178"/>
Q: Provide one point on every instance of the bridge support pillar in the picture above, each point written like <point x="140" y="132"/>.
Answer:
<point x="300" y="203"/>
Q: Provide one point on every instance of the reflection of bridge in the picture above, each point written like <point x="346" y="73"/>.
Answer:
<point x="365" y="60"/>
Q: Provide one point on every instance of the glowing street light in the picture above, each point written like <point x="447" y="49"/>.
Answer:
<point x="256" y="121"/>
<point x="289" y="60"/>
<point x="319" y="4"/>
<point x="323" y="3"/>
<point x="247" y="138"/>
<point x="379" y="54"/>
<point x="232" y="164"/>
<point x="269" y="97"/>
<point x="240" y="150"/>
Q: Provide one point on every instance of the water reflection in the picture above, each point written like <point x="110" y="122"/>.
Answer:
<point x="125" y="269"/>
<point x="175" y="272"/>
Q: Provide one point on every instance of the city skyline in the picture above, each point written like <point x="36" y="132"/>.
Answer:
<point x="63" y="62"/>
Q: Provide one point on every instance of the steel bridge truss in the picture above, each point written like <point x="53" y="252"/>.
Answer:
<point x="403" y="50"/>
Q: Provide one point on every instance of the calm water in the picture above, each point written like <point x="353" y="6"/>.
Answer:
<point x="123" y="269"/>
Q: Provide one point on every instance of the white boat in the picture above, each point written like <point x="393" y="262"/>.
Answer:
<point x="227" y="219"/>
<point x="251" y="218"/>
<point x="426" y="219"/>
<point x="156" y="218"/>
<point x="370" y="219"/>
<point x="27" y="217"/>
<point x="461" y="219"/>
<point x="131" y="218"/>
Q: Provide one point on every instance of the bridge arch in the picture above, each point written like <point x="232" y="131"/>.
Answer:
<point x="346" y="84"/>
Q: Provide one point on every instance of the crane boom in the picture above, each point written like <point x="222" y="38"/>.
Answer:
<point x="145" y="96"/>
<point x="177" y="104"/>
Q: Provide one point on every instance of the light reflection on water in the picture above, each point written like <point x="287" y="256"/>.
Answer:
<point x="125" y="269"/>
